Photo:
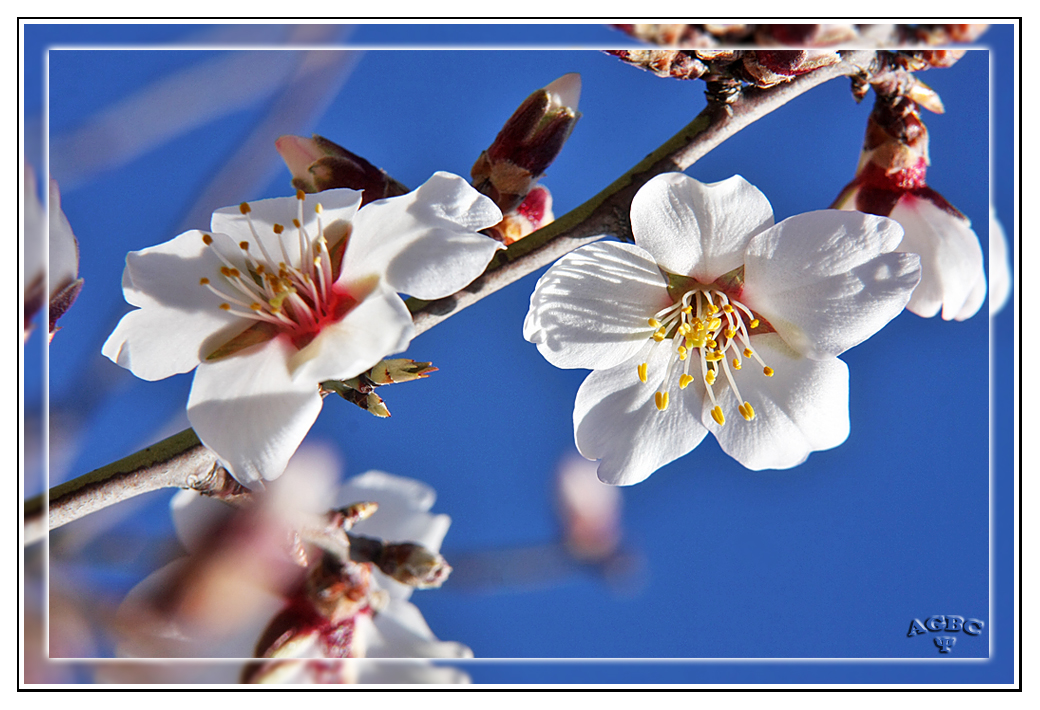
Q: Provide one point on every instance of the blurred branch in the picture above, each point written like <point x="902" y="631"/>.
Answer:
<point x="181" y="461"/>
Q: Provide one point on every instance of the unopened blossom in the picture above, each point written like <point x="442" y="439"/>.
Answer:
<point x="285" y="293"/>
<point x="890" y="182"/>
<point x="256" y="619"/>
<point x="717" y="320"/>
<point x="51" y="257"/>
<point x="528" y="143"/>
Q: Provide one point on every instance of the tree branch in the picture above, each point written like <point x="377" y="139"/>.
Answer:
<point x="181" y="461"/>
<point x="607" y="212"/>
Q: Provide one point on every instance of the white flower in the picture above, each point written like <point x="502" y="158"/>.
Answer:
<point x="953" y="280"/>
<point x="715" y="311"/>
<point x="285" y="293"/>
<point x="999" y="265"/>
<point x="229" y="619"/>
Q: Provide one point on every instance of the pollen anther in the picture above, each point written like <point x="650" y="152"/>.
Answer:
<point x="684" y="381"/>
<point x="718" y="416"/>
<point x="661" y="399"/>
<point x="641" y="371"/>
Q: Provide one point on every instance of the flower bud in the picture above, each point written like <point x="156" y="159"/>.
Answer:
<point x="533" y="213"/>
<point x="528" y="143"/>
<point x="771" y="67"/>
<point x="318" y="164"/>
<point x="414" y="565"/>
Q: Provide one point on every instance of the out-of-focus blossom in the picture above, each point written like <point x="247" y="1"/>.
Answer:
<point x="890" y="182"/>
<point x="590" y="510"/>
<point x="999" y="265"/>
<point x="286" y="293"/>
<point x="61" y="267"/>
<point x="528" y="143"/>
<point x="713" y="295"/>
<point x="231" y="597"/>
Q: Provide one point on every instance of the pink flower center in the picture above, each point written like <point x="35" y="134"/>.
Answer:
<point x="296" y="295"/>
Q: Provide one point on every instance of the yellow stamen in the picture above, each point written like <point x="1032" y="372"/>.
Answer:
<point x="684" y="381"/>
<point x="225" y="306"/>
<point x="718" y="416"/>
<point x="710" y="377"/>
<point x="727" y="308"/>
<point x="768" y="371"/>
<point x="278" y="229"/>
<point x="730" y="332"/>
<point x="746" y="411"/>
<point x="317" y="208"/>
<point x="641" y="370"/>
<point x="244" y="246"/>
<point x="203" y="281"/>
<point x="748" y="352"/>
<point x="244" y="208"/>
<point x="712" y="356"/>
<point x="754" y="322"/>
<point x="658" y="336"/>
<point x="653" y="323"/>
<point x="300" y="195"/>
<point x="206" y="239"/>
<point x="736" y="364"/>
<point x="661" y="399"/>
<point x="256" y="306"/>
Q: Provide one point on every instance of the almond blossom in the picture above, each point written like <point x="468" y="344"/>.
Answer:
<point x="282" y="294"/>
<point x="233" y="604"/>
<point x="716" y="314"/>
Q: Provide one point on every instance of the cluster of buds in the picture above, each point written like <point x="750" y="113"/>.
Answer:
<point x="801" y="35"/>
<point x="726" y="71"/>
<point x="323" y="613"/>
<point x="360" y="390"/>
<point x="507" y="172"/>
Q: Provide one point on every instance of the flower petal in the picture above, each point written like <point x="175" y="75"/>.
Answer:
<point x="590" y="309"/>
<point x="399" y="631"/>
<point x="176" y="315"/>
<point x="424" y="243"/>
<point x="250" y="412"/>
<point x="951" y="258"/>
<point x="616" y="418"/>
<point x="803" y="408"/>
<point x="826" y="280"/>
<point x="999" y="266"/>
<point x="697" y="229"/>
<point x="340" y="205"/>
<point x="63" y="251"/>
<point x="379" y="326"/>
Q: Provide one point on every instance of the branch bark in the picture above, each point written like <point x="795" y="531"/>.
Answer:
<point x="181" y="461"/>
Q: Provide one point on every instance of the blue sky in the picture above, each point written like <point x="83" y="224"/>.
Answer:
<point x="832" y="559"/>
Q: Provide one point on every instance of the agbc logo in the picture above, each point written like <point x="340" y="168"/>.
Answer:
<point x="948" y="622"/>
